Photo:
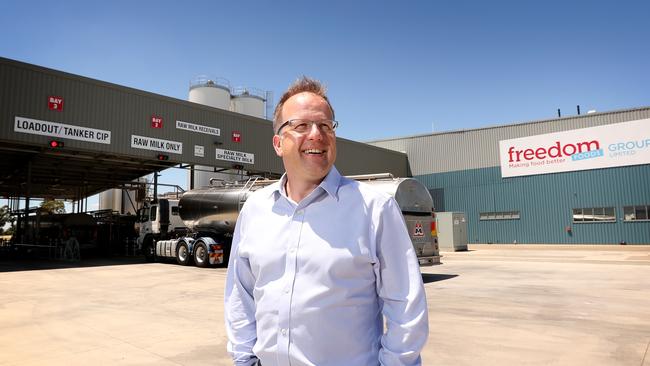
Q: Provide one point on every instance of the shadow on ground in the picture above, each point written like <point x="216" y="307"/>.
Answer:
<point x="432" y="277"/>
<point x="33" y="264"/>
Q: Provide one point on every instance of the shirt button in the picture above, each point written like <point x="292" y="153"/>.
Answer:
<point x="286" y="290"/>
<point x="292" y="250"/>
<point x="283" y="331"/>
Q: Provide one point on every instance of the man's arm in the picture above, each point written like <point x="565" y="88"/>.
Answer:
<point x="239" y="304"/>
<point x="400" y="288"/>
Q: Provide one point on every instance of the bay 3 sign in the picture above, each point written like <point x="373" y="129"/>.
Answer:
<point x="619" y="144"/>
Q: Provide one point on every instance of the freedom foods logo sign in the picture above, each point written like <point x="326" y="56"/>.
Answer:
<point x="619" y="144"/>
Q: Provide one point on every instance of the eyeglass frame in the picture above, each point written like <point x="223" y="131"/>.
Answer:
<point x="335" y="124"/>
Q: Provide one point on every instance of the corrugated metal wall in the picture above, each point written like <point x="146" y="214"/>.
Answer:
<point x="545" y="203"/>
<point x="479" y="148"/>
<point x="125" y="111"/>
<point x="461" y="169"/>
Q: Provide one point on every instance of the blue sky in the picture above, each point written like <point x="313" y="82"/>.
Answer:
<point x="394" y="68"/>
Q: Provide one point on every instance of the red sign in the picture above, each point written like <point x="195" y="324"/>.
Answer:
<point x="418" y="230"/>
<point x="156" y="122"/>
<point x="236" y="136"/>
<point x="55" y="103"/>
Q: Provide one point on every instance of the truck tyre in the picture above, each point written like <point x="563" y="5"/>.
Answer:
<point x="201" y="258"/>
<point x="182" y="254"/>
<point x="149" y="250"/>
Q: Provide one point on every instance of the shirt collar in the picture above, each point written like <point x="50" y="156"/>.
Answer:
<point x="330" y="184"/>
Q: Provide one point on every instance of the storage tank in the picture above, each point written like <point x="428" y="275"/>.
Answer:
<point x="249" y="101"/>
<point x="214" y="92"/>
<point x="119" y="200"/>
<point x="210" y="91"/>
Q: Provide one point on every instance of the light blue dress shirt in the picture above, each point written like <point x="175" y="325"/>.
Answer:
<point x="311" y="283"/>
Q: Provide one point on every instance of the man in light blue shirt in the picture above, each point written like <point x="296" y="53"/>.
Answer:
<point x="319" y="261"/>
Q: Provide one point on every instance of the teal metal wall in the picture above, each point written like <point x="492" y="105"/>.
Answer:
<point x="545" y="203"/>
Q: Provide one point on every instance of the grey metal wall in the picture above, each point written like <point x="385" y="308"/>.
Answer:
<point x="462" y="171"/>
<point x="125" y="111"/>
<point x="479" y="148"/>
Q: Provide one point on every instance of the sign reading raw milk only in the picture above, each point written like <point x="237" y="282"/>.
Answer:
<point x="152" y="143"/>
<point x="55" y="129"/>
<point x="619" y="144"/>
<point x="235" y="156"/>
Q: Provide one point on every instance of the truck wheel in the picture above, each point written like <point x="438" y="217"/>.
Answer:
<point x="149" y="250"/>
<point x="182" y="254"/>
<point x="201" y="255"/>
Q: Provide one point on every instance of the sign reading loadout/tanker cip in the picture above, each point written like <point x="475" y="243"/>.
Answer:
<point x="235" y="156"/>
<point x="619" y="144"/>
<point x="156" y="144"/>
<point x="55" y="129"/>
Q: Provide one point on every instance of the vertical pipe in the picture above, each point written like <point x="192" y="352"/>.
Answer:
<point x="27" y="197"/>
<point x="578" y="108"/>
<point x="192" y="176"/>
<point x="558" y="113"/>
<point x="155" y="186"/>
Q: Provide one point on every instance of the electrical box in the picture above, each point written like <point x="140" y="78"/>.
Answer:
<point x="452" y="231"/>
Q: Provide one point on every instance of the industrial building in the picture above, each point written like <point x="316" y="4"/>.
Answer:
<point x="64" y="136"/>
<point x="583" y="179"/>
<point x="576" y="180"/>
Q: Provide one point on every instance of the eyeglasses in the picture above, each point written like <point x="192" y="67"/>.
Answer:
<point x="304" y="125"/>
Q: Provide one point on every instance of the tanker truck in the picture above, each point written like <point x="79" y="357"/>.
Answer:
<point x="210" y="214"/>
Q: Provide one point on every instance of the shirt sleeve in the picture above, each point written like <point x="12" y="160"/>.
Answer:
<point x="400" y="289"/>
<point x="239" y="303"/>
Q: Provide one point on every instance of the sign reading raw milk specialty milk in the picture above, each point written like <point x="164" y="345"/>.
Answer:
<point x="235" y="156"/>
<point x="619" y="144"/>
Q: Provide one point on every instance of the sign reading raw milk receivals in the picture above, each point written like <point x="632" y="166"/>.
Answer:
<point x="55" y="129"/>
<point x="198" y="128"/>
<point x="619" y="144"/>
<point x="152" y="143"/>
<point x="235" y="156"/>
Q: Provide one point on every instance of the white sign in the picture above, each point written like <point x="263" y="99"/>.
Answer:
<point x="152" y="143"/>
<point x="55" y="129"/>
<point x="198" y="128"/>
<point x="235" y="156"/>
<point x="619" y="144"/>
<point x="199" y="151"/>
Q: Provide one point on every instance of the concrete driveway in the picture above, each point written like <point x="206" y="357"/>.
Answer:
<point x="492" y="305"/>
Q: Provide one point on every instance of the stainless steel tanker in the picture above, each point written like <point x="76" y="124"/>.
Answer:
<point x="210" y="215"/>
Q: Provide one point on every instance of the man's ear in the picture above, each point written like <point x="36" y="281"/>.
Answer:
<point x="277" y="145"/>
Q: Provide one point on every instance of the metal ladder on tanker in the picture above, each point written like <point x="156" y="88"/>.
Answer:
<point x="243" y="193"/>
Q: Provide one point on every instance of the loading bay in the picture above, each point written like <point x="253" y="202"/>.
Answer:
<point x="491" y="305"/>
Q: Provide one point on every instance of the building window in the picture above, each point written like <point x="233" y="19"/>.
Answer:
<point x="636" y="213"/>
<point x="594" y="214"/>
<point x="503" y="215"/>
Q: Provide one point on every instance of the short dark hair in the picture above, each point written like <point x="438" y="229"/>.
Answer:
<point x="301" y="85"/>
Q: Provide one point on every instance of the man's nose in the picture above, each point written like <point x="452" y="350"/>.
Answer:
<point x="315" y="132"/>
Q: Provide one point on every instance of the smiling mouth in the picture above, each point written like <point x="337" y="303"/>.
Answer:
<point x="314" y="152"/>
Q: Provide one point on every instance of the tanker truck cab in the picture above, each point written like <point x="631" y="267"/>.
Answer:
<point x="164" y="236"/>
<point x="158" y="221"/>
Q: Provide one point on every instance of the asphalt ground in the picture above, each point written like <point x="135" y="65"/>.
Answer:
<point x="492" y="305"/>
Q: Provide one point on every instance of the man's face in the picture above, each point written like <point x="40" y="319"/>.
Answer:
<point x="308" y="156"/>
